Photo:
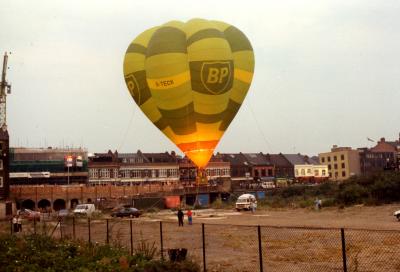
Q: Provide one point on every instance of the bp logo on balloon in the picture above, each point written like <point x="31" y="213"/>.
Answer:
<point x="216" y="76"/>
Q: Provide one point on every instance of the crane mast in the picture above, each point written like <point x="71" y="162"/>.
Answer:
<point x="5" y="88"/>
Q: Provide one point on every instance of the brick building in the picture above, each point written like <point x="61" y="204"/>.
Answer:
<point x="383" y="156"/>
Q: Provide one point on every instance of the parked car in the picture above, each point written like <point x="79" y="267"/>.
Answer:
<point x="128" y="212"/>
<point x="29" y="214"/>
<point x="397" y="214"/>
<point x="84" y="209"/>
<point x="62" y="213"/>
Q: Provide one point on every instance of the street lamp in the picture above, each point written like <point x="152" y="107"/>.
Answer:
<point x="69" y="164"/>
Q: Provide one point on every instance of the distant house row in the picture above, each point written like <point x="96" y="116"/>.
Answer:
<point x="66" y="166"/>
<point x="167" y="167"/>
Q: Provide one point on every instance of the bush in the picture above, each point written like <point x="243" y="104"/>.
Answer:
<point x="352" y="194"/>
<point x="42" y="253"/>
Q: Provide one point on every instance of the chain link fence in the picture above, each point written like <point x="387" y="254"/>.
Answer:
<point x="217" y="247"/>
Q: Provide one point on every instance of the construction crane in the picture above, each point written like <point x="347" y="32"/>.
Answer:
<point x="5" y="89"/>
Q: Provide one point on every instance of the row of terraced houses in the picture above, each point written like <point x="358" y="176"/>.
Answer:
<point x="67" y="166"/>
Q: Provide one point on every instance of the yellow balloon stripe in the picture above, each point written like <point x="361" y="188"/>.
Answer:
<point x="243" y="75"/>
<point x="210" y="104"/>
<point x="165" y="83"/>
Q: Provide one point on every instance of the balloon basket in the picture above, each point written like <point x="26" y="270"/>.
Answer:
<point x="201" y="177"/>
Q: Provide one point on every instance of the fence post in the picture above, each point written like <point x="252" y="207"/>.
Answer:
<point x="130" y="226"/>
<point x="204" y="247"/>
<point x="73" y="227"/>
<point x="161" y="241"/>
<point x="108" y="234"/>
<point x="61" y="233"/>
<point x="344" y="250"/>
<point x="11" y="226"/>
<point x="34" y="225"/>
<point x="90" y="238"/>
<point x="260" y="248"/>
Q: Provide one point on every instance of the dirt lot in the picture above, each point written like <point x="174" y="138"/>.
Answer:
<point x="364" y="217"/>
<point x="231" y="238"/>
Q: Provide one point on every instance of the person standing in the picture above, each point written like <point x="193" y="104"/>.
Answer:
<point x="180" y="218"/>
<point x="15" y="224"/>
<point x="19" y="222"/>
<point x="189" y="215"/>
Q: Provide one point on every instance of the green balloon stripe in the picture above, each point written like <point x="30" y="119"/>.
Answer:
<point x="136" y="48"/>
<point x="204" y="34"/>
<point x="237" y="40"/>
<point x="166" y="40"/>
<point x="229" y="114"/>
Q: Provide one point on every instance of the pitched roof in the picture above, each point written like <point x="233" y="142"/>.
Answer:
<point x="133" y="156"/>
<point x="278" y="160"/>
<point x="256" y="159"/>
<point x="159" y="157"/>
<point x="235" y="159"/>
<point x="295" y="159"/>
<point x="313" y="160"/>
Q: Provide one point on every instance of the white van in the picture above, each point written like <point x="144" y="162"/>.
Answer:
<point x="84" y="209"/>
<point x="244" y="202"/>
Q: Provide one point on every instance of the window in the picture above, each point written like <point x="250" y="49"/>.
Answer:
<point x="316" y="172"/>
<point x="1" y="182"/>
<point x="343" y="173"/>
<point x="334" y="158"/>
<point x="329" y="159"/>
<point x="308" y="171"/>
<point x="330" y="175"/>
<point x="303" y="172"/>
<point x="125" y="173"/>
<point x="329" y="167"/>
<point x="323" y="173"/>
<point x="1" y="164"/>
<point x="336" y="174"/>
<point x="342" y="157"/>
<point x="297" y="172"/>
<point x="322" y="159"/>
<point x="162" y="173"/>
<point x="343" y="165"/>
<point x="335" y="166"/>
<point x="104" y="173"/>
<point x="93" y="173"/>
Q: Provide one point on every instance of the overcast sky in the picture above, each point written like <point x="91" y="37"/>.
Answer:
<point x="327" y="72"/>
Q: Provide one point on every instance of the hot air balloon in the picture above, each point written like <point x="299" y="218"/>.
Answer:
<point x="190" y="80"/>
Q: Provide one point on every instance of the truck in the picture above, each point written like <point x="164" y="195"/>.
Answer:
<point x="244" y="202"/>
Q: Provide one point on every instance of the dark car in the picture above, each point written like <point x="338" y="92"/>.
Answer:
<point x="129" y="212"/>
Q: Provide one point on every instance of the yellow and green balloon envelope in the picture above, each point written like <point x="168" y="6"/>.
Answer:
<point x="190" y="80"/>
